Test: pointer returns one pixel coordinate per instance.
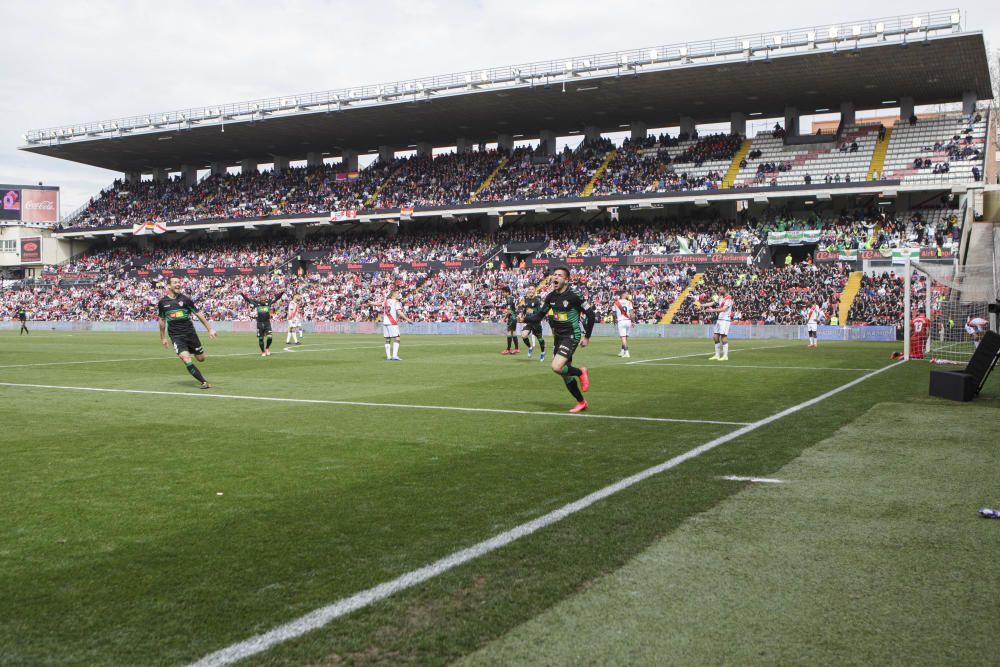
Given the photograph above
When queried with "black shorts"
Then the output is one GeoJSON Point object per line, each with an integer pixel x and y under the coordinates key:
{"type": "Point", "coordinates": [511, 325]}
{"type": "Point", "coordinates": [532, 329]}
{"type": "Point", "coordinates": [565, 346]}
{"type": "Point", "coordinates": [263, 329]}
{"type": "Point", "coordinates": [187, 342]}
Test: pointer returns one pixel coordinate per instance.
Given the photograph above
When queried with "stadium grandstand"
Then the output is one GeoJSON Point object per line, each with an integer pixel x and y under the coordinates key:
{"type": "Point", "coordinates": [836, 183]}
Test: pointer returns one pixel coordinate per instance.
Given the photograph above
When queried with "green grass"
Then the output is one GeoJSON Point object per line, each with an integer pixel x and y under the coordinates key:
{"type": "Point", "coordinates": [116, 546]}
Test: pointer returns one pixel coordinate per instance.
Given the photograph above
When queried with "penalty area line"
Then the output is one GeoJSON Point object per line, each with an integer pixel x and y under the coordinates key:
{"type": "Point", "coordinates": [706, 355]}
{"type": "Point", "coordinates": [324, 615]}
{"type": "Point", "coordinates": [366, 404]}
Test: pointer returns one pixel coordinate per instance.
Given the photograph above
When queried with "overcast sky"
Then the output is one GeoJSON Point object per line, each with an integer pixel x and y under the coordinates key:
{"type": "Point", "coordinates": [65, 63]}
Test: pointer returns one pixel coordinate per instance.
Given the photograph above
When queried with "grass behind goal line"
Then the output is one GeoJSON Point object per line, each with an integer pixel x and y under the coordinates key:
{"type": "Point", "coordinates": [122, 551]}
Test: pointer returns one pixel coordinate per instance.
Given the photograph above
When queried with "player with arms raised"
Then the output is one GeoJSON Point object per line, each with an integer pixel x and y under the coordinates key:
{"type": "Point", "coordinates": [392, 315]}
{"type": "Point", "coordinates": [721, 332]}
{"type": "Point", "coordinates": [262, 311]}
{"type": "Point", "coordinates": [622, 309]}
{"type": "Point", "coordinates": [565, 308]}
{"type": "Point", "coordinates": [175, 311]}
{"type": "Point", "coordinates": [814, 316]}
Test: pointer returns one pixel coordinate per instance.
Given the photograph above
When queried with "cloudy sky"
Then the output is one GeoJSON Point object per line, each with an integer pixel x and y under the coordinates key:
{"type": "Point", "coordinates": [67, 63]}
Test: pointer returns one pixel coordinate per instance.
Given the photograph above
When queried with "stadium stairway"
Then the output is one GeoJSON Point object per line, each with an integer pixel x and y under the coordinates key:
{"type": "Point", "coordinates": [489, 179]}
{"type": "Point", "coordinates": [589, 190]}
{"type": "Point", "coordinates": [668, 316]}
{"type": "Point", "coordinates": [847, 296]}
{"type": "Point", "coordinates": [878, 156]}
{"type": "Point", "coordinates": [374, 195]}
{"type": "Point", "coordinates": [734, 167]}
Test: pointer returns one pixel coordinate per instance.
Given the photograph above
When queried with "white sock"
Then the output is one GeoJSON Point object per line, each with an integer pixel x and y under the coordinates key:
{"type": "Point", "coordinates": [717, 346]}
{"type": "Point", "coordinates": [395, 348]}
{"type": "Point", "coordinates": [288, 337]}
{"type": "Point", "coordinates": [387, 354]}
{"type": "Point", "coordinates": [298, 337]}
{"type": "Point", "coordinates": [725, 349]}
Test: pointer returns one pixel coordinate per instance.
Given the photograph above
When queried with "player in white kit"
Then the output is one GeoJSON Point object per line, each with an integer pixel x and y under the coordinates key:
{"type": "Point", "coordinates": [813, 317]}
{"type": "Point", "coordinates": [622, 309]}
{"type": "Point", "coordinates": [392, 315]}
{"type": "Point", "coordinates": [294, 320]}
{"type": "Point", "coordinates": [721, 332]}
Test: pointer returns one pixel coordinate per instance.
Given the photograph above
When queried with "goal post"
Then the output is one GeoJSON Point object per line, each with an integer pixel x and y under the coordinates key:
{"type": "Point", "coordinates": [944, 308]}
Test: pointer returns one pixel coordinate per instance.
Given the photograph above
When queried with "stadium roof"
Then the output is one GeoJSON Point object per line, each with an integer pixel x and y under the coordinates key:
{"type": "Point", "coordinates": [871, 63]}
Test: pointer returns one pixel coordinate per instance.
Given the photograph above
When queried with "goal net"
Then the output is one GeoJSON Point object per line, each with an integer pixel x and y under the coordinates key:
{"type": "Point", "coordinates": [947, 310]}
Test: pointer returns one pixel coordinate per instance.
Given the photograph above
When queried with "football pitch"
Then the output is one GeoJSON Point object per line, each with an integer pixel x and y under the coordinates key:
{"type": "Point", "coordinates": [324, 506]}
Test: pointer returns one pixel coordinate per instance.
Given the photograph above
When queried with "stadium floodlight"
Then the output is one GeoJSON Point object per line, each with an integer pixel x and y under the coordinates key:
{"type": "Point", "coordinates": [880, 30]}
{"type": "Point", "coordinates": [683, 51]}
{"type": "Point", "coordinates": [746, 44]}
{"type": "Point", "coordinates": [777, 40]}
{"type": "Point", "coordinates": [148, 121]}
{"type": "Point", "coordinates": [164, 118]}
{"type": "Point", "coordinates": [100, 126]}
{"type": "Point", "coordinates": [917, 22]}
{"type": "Point", "coordinates": [569, 66]}
{"type": "Point", "coordinates": [484, 76]}
{"type": "Point", "coordinates": [856, 31]}
{"type": "Point", "coordinates": [653, 53]}
{"type": "Point", "coordinates": [811, 38]}
{"type": "Point", "coordinates": [834, 32]}
{"type": "Point", "coordinates": [623, 60]}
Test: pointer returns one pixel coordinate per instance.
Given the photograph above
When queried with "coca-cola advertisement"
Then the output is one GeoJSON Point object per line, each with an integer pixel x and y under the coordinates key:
{"type": "Point", "coordinates": [40, 205]}
{"type": "Point", "coordinates": [31, 250]}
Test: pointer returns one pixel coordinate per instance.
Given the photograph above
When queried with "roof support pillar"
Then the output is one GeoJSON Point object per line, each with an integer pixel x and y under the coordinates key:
{"type": "Point", "coordinates": [592, 133]}
{"type": "Point", "coordinates": [314, 159]}
{"type": "Point", "coordinates": [425, 149]}
{"type": "Point", "coordinates": [791, 122]}
{"type": "Point", "coordinates": [248, 166]}
{"type": "Point", "coordinates": [280, 164]}
{"type": "Point", "coordinates": [463, 145]}
{"type": "Point", "coordinates": [848, 114]}
{"type": "Point", "coordinates": [349, 160]}
{"type": "Point", "coordinates": [219, 168]}
{"type": "Point", "coordinates": [505, 142]}
{"type": "Point", "coordinates": [906, 107]}
{"type": "Point", "coordinates": [159, 175]}
{"type": "Point", "coordinates": [133, 176]}
{"type": "Point", "coordinates": [687, 126]}
{"type": "Point", "coordinates": [386, 153]}
{"type": "Point", "coordinates": [547, 142]}
{"type": "Point", "coordinates": [969, 99]}
{"type": "Point", "coordinates": [638, 130]}
{"type": "Point", "coordinates": [189, 174]}
{"type": "Point", "coordinates": [738, 123]}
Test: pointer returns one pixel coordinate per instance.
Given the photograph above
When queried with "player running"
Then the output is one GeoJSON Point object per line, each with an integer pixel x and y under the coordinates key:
{"type": "Point", "coordinates": [721, 332]}
{"type": "Point", "coordinates": [533, 330]}
{"type": "Point", "coordinates": [22, 316]}
{"type": "Point", "coordinates": [294, 320]}
{"type": "Point", "coordinates": [392, 315]}
{"type": "Point", "coordinates": [510, 313]}
{"type": "Point", "coordinates": [814, 316]}
{"type": "Point", "coordinates": [564, 307]}
{"type": "Point", "coordinates": [622, 309]}
{"type": "Point", "coordinates": [263, 311]}
{"type": "Point", "coordinates": [175, 311]}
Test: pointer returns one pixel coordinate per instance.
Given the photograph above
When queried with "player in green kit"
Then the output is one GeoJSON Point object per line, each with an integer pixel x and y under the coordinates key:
{"type": "Point", "coordinates": [532, 303]}
{"type": "Point", "coordinates": [175, 311]}
{"type": "Point", "coordinates": [263, 311]}
{"type": "Point", "coordinates": [510, 314]}
{"type": "Point", "coordinates": [572, 320]}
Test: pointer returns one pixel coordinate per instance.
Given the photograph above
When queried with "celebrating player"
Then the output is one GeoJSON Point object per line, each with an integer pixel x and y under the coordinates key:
{"type": "Point", "coordinates": [564, 307]}
{"type": "Point", "coordinates": [392, 315]}
{"type": "Point", "coordinates": [813, 317]}
{"type": "Point", "coordinates": [510, 313]}
{"type": "Point", "coordinates": [622, 308]}
{"type": "Point", "coordinates": [175, 311]}
{"type": "Point", "coordinates": [533, 330]}
{"type": "Point", "coordinates": [263, 311]}
{"type": "Point", "coordinates": [22, 316]}
{"type": "Point", "coordinates": [294, 320]}
{"type": "Point", "coordinates": [721, 332]}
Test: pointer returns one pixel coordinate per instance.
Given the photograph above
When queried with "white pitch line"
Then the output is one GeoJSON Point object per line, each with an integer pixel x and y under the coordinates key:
{"type": "Point", "coordinates": [759, 480]}
{"type": "Point", "coordinates": [706, 355]}
{"type": "Point", "coordinates": [405, 406]}
{"type": "Point", "coordinates": [724, 364]}
{"type": "Point", "coordinates": [324, 615]}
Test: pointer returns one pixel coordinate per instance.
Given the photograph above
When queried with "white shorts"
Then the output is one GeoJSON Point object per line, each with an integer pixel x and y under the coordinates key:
{"type": "Point", "coordinates": [624, 328]}
{"type": "Point", "coordinates": [812, 326]}
{"type": "Point", "coordinates": [390, 330]}
{"type": "Point", "coordinates": [295, 324]}
{"type": "Point", "coordinates": [722, 327]}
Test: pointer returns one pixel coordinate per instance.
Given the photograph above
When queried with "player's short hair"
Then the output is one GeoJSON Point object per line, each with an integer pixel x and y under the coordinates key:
{"type": "Point", "coordinates": [173, 278]}
{"type": "Point", "coordinates": [560, 267]}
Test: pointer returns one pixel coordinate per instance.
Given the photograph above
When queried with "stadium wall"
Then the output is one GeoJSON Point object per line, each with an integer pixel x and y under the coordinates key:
{"type": "Point", "coordinates": [738, 331]}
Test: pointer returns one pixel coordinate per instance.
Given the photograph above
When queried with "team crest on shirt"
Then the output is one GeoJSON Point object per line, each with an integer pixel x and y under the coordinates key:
{"type": "Point", "coordinates": [565, 303]}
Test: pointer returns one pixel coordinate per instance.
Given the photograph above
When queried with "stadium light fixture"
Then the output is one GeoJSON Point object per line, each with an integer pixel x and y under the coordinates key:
{"type": "Point", "coordinates": [778, 40]}
{"type": "Point", "coordinates": [811, 39]}
{"type": "Point", "coordinates": [888, 101]}
{"type": "Point", "coordinates": [916, 23]}
{"type": "Point", "coordinates": [100, 126]}
{"type": "Point", "coordinates": [834, 32]}
{"type": "Point", "coordinates": [824, 196]}
{"type": "Point", "coordinates": [856, 31]}
{"type": "Point", "coordinates": [653, 55]}
{"type": "Point", "coordinates": [756, 113]}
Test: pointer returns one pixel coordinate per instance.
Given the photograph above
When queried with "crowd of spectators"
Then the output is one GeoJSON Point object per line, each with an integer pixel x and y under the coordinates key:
{"type": "Point", "coordinates": [531, 173]}
{"type": "Point", "coordinates": [767, 296]}
{"type": "Point", "coordinates": [879, 302]}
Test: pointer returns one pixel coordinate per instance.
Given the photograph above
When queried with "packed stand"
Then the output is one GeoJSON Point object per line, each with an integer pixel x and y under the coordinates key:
{"type": "Point", "coordinates": [531, 173]}
{"type": "Point", "coordinates": [879, 301]}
